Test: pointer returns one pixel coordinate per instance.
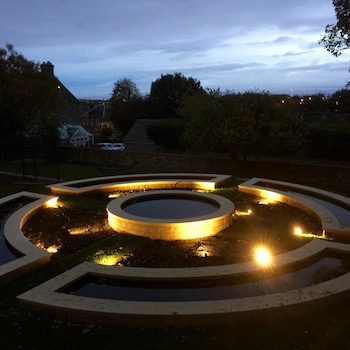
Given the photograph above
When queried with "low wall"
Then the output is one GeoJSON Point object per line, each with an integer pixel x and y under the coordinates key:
{"type": "Point", "coordinates": [333, 177]}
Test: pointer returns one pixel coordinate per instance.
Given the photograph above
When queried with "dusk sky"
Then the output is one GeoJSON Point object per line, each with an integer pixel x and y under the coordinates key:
{"type": "Point", "coordinates": [232, 44]}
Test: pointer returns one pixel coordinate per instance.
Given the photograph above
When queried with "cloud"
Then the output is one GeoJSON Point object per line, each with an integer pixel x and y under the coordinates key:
{"type": "Point", "coordinates": [282, 39]}
{"type": "Point", "coordinates": [234, 44]}
{"type": "Point", "coordinates": [293, 53]}
{"type": "Point", "coordinates": [325, 67]}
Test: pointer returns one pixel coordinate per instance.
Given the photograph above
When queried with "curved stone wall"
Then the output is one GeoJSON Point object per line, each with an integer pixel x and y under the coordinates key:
{"type": "Point", "coordinates": [171, 229]}
{"type": "Point", "coordinates": [49, 298]}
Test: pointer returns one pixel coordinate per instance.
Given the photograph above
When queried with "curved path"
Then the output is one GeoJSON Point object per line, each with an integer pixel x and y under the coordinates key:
{"type": "Point", "coordinates": [50, 296]}
{"type": "Point", "coordinates": [140, 182]}
{"type": "Point", "coordinates": [30, 256]}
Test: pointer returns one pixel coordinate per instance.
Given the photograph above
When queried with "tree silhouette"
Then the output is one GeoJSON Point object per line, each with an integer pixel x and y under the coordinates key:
{"type": "Point", "coordinates": [169, 91]}
{"type": "Point", "coordinates": [337, 36]}
{"type": "Point", "coordinates": [124, 90]}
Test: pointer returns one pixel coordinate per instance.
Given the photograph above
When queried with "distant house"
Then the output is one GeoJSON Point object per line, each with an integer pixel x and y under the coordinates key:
{"type": "Point", "coordinates": [137, 138]}
{"type": "Point", "coordinates": [71, 133]}
{"type": "Point", "coordinates": [97, 116]}
{"type": "Point", "coordinates": [75, 136]}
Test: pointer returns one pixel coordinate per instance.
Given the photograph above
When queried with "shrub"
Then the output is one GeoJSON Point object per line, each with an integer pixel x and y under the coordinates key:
{"type": "Point", "coordinates": [330, 141]}
{"type": "Point", "coordinates": [241, 124]}
{"type": "Point", "coordinates": [167, 133]}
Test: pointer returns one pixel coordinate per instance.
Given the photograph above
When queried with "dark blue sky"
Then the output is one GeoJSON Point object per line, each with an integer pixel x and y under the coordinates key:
{"type": "Point", "coordinates": [231, 44]}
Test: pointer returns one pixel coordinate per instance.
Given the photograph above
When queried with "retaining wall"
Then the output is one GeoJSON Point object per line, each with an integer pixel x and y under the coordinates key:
{"type": "Point", "coordinates": [333, 177]}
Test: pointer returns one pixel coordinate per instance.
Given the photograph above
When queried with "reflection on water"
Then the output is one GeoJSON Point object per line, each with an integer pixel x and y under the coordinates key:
{"type": "Point", "coordinates": [7, 253]}
{"type": "Point", "coordinates": [340, 210]}
{"type": "Point", "coordinates": [325, 268]}
{"type": "Point", "coordinates": [170, 208]}
{"type": "Point", "coordinates": [340, 213]}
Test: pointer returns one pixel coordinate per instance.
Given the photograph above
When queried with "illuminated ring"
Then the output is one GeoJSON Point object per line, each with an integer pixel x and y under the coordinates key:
{"type": "Point", "coordinates": [49, 297]}
{"type": "Point", "coordinates": [31, 256]}
{"type": "Point", "coordinates": [137, 182]}
{"type": "Point", "coordinates": [171, 229]}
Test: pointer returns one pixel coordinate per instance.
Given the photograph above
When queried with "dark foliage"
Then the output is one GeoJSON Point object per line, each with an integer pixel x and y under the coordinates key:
{"type": "Point", "coordinates": [337, 36]}
{"type": "Point", "coordinates": [169, 91]}
{"type": "Point", "coordinates": [126, 105]}
{"type": "Point", "coordinates": [30, 102]}
{"type": "Point", "coordinates": [242, 124]}
{"type": "Point", "coordinates": [330, 141]}
{"type": "Point", "coordinates": [167, 133]}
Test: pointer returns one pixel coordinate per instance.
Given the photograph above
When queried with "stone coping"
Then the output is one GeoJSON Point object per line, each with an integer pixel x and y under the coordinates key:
{"type": "Point", "coordinates": [47, 297]}
{"type": "Point", "coordinates": [32, 255]}
{"type": "Point", "coordinates": [171, 229]}
{"type": "Point", "coordinates": [143, 181]}
{"type": "Point", "coordinates": [330, 223]}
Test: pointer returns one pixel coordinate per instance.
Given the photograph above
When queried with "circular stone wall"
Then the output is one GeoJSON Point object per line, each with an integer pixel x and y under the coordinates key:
{"type": "Point", "coordinates": [170, 215]}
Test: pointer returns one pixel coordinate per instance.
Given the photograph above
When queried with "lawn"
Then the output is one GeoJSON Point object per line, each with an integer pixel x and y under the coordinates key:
{"type": "Point", "coordinates": [64, 171]}
{"type": "Point", "coordinates": [68, 171]}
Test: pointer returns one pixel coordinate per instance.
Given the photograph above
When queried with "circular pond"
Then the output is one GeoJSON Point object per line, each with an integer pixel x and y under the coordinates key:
{"type": "Point", "coordinates": [170, 215]}
{"type": "Point", "coordinates": [170, 206]}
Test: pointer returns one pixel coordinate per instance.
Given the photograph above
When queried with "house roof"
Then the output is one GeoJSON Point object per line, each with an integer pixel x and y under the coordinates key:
{"type": "Point", "coordinates": [69, 131]}
{"type": "Point", "coordinates": [138, 132]}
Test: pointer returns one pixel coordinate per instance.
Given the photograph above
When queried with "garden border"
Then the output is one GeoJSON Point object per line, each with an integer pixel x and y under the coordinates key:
{"type": "Point", "coordinates": [33, 256]}
{"type": "Point", "coordinates": [47, 297]}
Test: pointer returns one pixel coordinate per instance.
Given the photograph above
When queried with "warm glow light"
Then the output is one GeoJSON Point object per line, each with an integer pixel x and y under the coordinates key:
{"type": "Point", "coordinates": [298, 231]}
{"type": "Point", "coordinates": [86, 230]}
{"type": "Point", "coordinates": [53, 248]}
{"type": "Point", "coordinates": [203, 251]}
{"type": "Point", "coordinates": [77, 231]}
{"type": "Point", "coordinates": [262, 256]}
{"type": "Point", "coordinates": [201, 191]}
{"type": "Point", "coordinates": [269, 197]}
{"type": "Point", "coordinates": [203, 185]}
{"type": "Point", "coordinates": [109, 260]}
{"type": "Point", "coordinates": [114, 195]}
{"type": "Point", "coordinates": [243, 213]}
{"type": "Point", "coordinates": [52, 203]}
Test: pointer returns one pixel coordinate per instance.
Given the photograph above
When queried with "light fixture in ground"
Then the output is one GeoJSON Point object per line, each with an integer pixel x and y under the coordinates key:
{"type": "Point", "coordinates": [262, 256]}
{"type": "Point", "coordinates": [52, 203]}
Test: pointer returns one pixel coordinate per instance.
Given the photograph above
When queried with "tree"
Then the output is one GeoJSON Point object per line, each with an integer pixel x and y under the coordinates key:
{"type": "Point", "coordinates": [30, 103]}
{"type": "Point", "coordinates": [124, 90]}
{"type": "Point", "coordinates": [169, 91]}
{"type": "Point", "coordinates": [337, 36]}
{"type": "Point", "coordinates": [126, 105]}
{"type": "Point", "coordinates": [105, 133]}
{"type": "Point", "coordinates": [241, 124]}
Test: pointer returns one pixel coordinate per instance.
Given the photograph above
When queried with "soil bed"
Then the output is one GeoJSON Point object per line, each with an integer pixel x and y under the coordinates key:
{"type": "Point", "coordinates": [73, 227]}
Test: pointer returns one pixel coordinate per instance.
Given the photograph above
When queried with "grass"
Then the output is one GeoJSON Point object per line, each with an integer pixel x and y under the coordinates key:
{"type": "Point", "coordinates": [7, 190]}
{"type": "Point", "coordinates": [67, 171]}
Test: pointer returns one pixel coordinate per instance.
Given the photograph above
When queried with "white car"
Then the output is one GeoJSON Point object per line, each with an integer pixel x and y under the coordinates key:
{"type": "Point", "coordinates": [111, 146]}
